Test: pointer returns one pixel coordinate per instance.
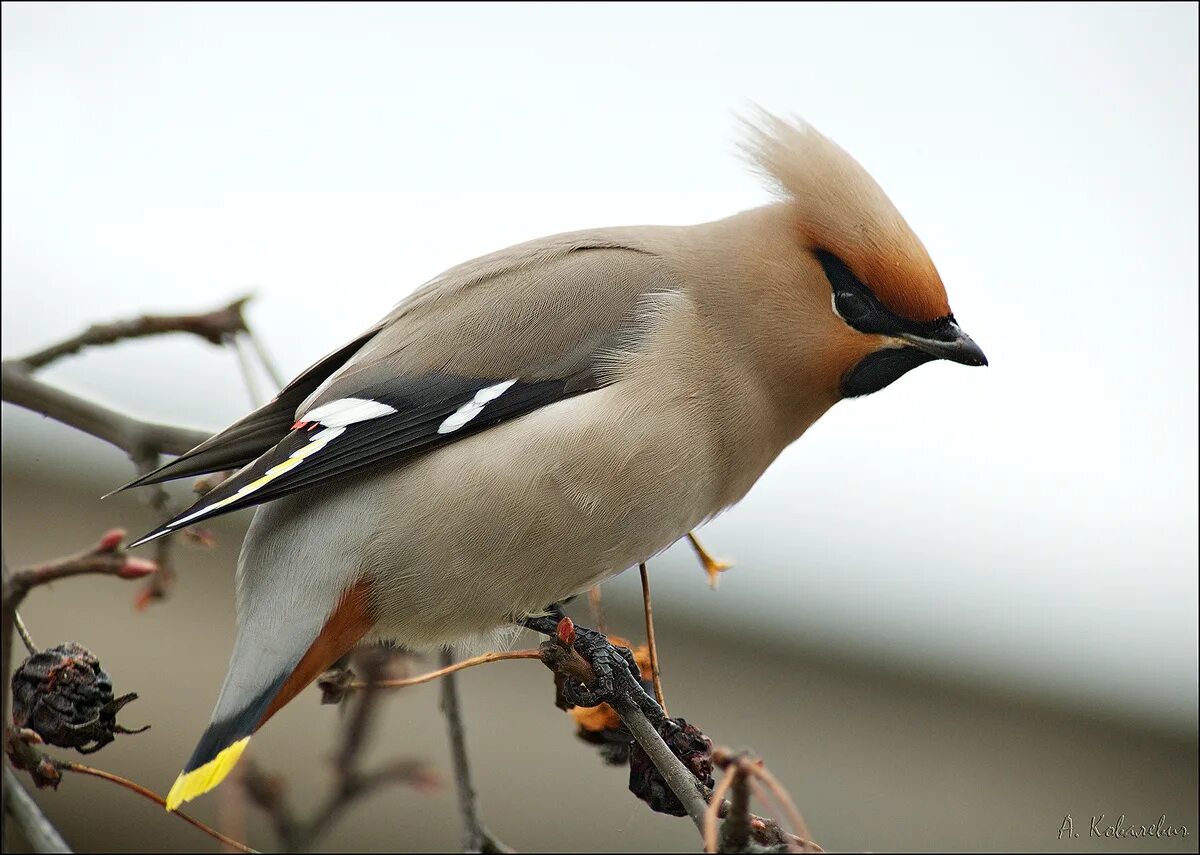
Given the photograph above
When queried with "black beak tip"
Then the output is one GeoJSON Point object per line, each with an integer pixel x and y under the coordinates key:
{"type": "Point", "coordinates": [972, 354]}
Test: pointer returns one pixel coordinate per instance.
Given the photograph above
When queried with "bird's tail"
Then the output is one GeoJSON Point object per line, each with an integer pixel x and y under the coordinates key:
{"type": "Point", "coordinates": [265, 672]}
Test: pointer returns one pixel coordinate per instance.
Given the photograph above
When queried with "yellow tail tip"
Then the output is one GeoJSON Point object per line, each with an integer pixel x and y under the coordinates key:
{"type": "Point", "coordinates": [199, 781]}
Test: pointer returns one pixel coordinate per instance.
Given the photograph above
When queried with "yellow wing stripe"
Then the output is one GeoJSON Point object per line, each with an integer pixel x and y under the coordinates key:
{"type": "Point", "coordinates": [270, 475]}
{"type": "Point", "coordinates": [199, 781]}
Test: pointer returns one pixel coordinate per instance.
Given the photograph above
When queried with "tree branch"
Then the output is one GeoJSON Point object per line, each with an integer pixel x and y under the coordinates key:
{"type": "Point", "coordinates": [681, 781]}
{"type": "Point", "coordinates": [350, 783]}
{"type": "Point", "coordinates": [38, 831]}
{"type": "Point", "coordinates": [81, 769]}
{"type": "Point", "coordinates": [105, 558]}
{"type": "Point", "coordinates": [134, 437]}
{"type": "Point", "coordinates": [212, 326]}
{"type": "Point", "coordinates": [472, 830]}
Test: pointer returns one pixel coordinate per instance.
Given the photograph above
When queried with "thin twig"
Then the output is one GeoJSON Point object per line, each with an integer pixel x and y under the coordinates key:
{"type": "Point", "coordinates": [596, 606]}
{"type": "Point", "coordinates": [654, 672]}
{"type": "Point", "coordinates": [498, 656]}
{"type": "Point", "coordinates": [23, 631]}
{"type": "Point", "coordinates": [212, 326]}
{"type": "Point", "coordinates": [106, 558]}
{"type": "Point", "coordinates": [769, 802]}
{"type": "Point", "coordinates": [71, 766]}
{"type": "Point", "coordinates": [714, 804]}
{"type": "Point", "coordinates": [735, 831]}
{"type": "Point", "coordinates": [349, 782]}
{"type": "Point", "coordinates": [793, 813]}
{"type": "Point", "coordinates": [468, 810]}
{"type": "Point", "coordinates": [231, 806]}
{"type": "Point", "coordinates": [38, 831]}
{"type": "Point", "coordinates": [265, 359]}
{"type": "Point", "coordinates": [159, 500]}
{"type": "Point", "coordinates": [243, 360]}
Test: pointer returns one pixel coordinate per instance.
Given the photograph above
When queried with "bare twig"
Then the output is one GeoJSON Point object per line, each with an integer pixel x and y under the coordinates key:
{"type": "Point", "coordinates": [38, 831]}
{"type": "Point", "coordinates": [265, 360]}
{"type": "Point", "coordinates": [81, 769]}
{"type": "Point", "coordinates": [349, 782]}
{"type": "Point", "coordinates": [499, 656]}
{"type": "Point", "coordinates": [136, 438]}
{"type": "Point", "coordinates": [212, 326]}
{"type": "Point", "coordinates": [743, 773]}
{"type": "Point", "coordinates": [596, 606]}
{"type": "Point", "coordinates": [472, 830]}
{"type": "Point", "coordinates": [23, 631]}
{"type": "Point", "coordinates": [785, 798]}
{"type": "Point", "coordinates": [106, 558]}
{"type": "Point", "coordinates": [735, 831]}
{"type": "Point", "coordinates": [654, 672]}
{"type": "Point", "coordinates": [18, 386]}
{"type": "Point", "coordinates": [681, 781]}
{"type": "Point", "coordinates": [714, 804]}
{"type": "Point", "coordinates": [247, 370]}
{"type": "Point", "coordinates": [159, 500]}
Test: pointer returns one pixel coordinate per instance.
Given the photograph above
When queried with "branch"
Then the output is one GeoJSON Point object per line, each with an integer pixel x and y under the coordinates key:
{"type": "Point", "coordinates": [46, 771]}
{"type": "Point", "coordinates": [134, 437]}
{"type": "Point", "coordinates": [267, 791]}
{"type": "Point", "coordinates": [681, 781]}
{"type": "Point", "coordinates": [472, 831]}
{"type": "Point", "coordinates": [38, 831]}
{"type": "Point", "coordinates": [655, 675]}
{"type": "Point", "coordinates": [214, 327]}
{"type": "Point", "coordinates": [498, 656]}
{"type": "Point", "coordinates": [81, 769]}
{"type": "Point", "coordinates": [106, 558]}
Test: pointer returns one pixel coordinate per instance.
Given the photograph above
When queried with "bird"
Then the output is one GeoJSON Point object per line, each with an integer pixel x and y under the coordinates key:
{"type": "Point", "coordinates": [532, 422]}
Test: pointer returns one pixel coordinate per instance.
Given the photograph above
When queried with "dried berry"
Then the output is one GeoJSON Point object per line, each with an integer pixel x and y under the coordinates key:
{"type": "Point", "coordinates": [64, 696]}
{"type": "Point", "coordinates": [686, 742]}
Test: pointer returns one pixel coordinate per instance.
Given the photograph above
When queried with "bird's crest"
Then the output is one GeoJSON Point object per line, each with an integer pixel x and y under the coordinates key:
{"type": "Point", "coordinates": [840, 209]}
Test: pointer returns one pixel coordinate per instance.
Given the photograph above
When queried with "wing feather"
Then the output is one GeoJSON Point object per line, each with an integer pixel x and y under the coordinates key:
{"type": "Point", "coordinates": [250, 436]}
{"type": "Point", "coordinates": [453, 360]}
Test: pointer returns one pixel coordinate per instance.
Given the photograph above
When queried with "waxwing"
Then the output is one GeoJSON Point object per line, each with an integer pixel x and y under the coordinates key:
{"type": "Point", "coordinates": [534, 421]}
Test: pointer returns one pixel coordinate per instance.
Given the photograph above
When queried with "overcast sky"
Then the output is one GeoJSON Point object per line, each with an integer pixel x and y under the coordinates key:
{"type": "Point", "coordinates": [1035, 521]}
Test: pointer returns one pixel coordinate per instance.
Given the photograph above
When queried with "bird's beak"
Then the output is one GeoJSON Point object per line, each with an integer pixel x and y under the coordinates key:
{"type": "Point", "coordinates": [948, 341]}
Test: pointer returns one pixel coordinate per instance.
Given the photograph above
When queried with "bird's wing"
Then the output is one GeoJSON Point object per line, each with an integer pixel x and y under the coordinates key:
{"type": "Point", "coordinates": [249, 437]}
{"type": "Point", "coordinates": [485, 342]}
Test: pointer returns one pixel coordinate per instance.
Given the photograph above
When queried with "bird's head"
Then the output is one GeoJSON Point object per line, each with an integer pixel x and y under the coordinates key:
{"type": "Point", "coordinates": [871, 303]}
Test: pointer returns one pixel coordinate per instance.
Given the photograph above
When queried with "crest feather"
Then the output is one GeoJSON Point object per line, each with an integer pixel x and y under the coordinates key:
{"type": "Point", "coordinates": [840, 208]}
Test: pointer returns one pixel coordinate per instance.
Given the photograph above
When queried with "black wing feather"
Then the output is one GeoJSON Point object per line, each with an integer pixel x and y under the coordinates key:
{"type": "Point", "coordinates": [258, 432]}
{"type": "Point", "coordinates": [421, 406]}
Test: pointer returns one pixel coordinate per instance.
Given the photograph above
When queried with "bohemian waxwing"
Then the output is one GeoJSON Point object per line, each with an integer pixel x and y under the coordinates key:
{"type": "Point", "coordinates": [535, 421]}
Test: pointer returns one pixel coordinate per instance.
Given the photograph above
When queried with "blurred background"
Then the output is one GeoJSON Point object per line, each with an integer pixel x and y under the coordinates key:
{"type": "Point", "coordinates": [961, 610]}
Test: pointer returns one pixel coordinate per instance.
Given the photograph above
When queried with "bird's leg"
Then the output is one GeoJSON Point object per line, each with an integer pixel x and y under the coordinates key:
{"type": "Point", "coordinates": [618, 677]}
{"type": "Point", "coordinates": [714, 567]}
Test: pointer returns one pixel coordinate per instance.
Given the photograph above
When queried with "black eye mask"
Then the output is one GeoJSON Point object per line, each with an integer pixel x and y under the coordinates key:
{"type": "Point", "coordinates": [861, 309]}
{"type": "Point", "coordinates": [858, 306]}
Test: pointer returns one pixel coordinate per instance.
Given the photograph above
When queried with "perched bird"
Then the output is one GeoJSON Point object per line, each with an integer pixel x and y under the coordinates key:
{"type": "Point", "coordinates": [534, 421]}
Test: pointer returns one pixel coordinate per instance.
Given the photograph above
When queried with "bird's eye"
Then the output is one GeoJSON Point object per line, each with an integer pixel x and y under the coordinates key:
{"type": "Point", "coordinates": [850, 306]}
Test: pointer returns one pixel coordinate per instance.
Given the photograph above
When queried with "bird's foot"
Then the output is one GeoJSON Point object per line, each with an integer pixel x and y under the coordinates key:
{"type": "Point", "coordinates": [591, 669]}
